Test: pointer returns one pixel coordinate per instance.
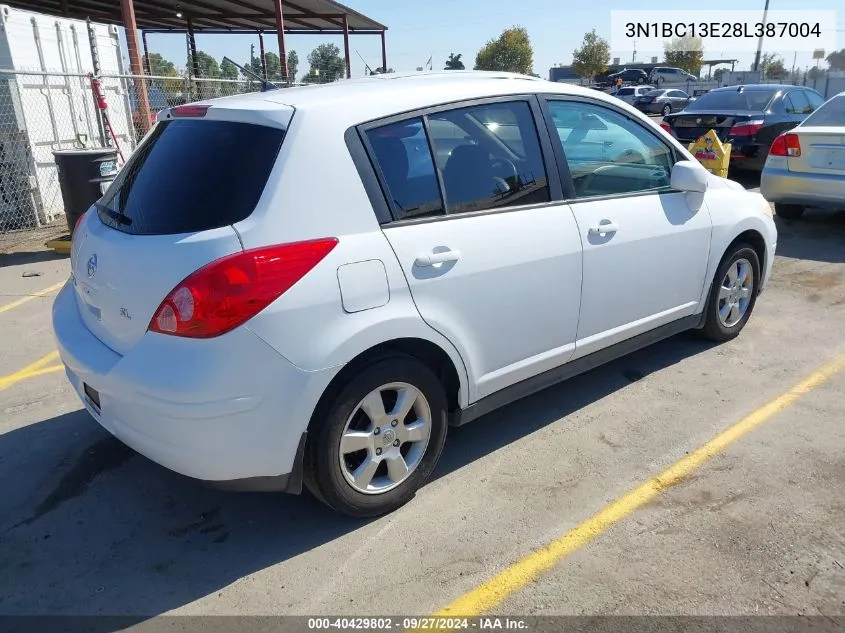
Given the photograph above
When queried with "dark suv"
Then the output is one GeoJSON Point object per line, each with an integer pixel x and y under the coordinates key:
{"type": "Point", "coordinates": [629, 75]}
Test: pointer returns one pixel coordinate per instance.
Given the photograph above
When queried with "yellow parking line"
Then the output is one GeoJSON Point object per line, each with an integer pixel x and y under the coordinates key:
{"type": "Point", "coordinates": [37, 368]}
{"type": "Point", "coordinates": [34, 295]}
{"type": "Point", "coordinates": [518, 575]}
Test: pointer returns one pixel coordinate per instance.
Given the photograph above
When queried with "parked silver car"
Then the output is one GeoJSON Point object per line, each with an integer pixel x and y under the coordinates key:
{"type": "Point", "coordinates": [629, 93]}
{"type": "Point", "coordinates": [806, 165]}
{"type": "Point", "coordinates": [668, 74]}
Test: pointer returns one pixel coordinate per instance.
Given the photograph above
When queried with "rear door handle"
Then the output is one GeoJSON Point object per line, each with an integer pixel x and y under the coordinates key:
{"type": "Point", "coordinates": [430, 259]}
{"type": "Point", "coordinates": [604, 227]}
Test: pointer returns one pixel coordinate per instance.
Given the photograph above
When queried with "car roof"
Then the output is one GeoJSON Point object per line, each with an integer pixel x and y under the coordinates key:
{"type": "Point", "coordinates": [363, 99]}
{"type": "Point", "coordinates": [758, 87]}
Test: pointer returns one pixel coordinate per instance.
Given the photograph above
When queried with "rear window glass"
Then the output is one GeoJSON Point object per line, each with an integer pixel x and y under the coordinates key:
{"type": "Point", "coordinates": [192, 175]}
{"type": "Point", "coordinates": [625, 91]}
{"type": "Point", "coordinates": [753, 100]}
{"type": "Point", "coordinates": [831, 113]}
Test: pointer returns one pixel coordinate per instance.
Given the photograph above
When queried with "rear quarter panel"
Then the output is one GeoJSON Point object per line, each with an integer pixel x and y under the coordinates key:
{"type": "Point", "coordinates": [315, 191]}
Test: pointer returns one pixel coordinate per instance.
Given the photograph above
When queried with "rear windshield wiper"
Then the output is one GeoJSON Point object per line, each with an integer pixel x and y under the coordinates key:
{"type": "Point", "coordinates": [114, 215]}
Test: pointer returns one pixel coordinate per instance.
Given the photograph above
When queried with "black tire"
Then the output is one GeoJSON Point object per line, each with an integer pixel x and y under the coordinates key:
{"type": "Point", "coordinates": [714, 329]}
{"type": "Point", "coordinates": [667, 110]}
{"type": "Point", "coordinates": [789, 211]}
{"type": "Point", "coordinates": [323, 475]}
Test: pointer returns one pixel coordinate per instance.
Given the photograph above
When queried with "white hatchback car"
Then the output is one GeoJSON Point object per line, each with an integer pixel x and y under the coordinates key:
{"type": "Point", "coordinates": [310, 284]}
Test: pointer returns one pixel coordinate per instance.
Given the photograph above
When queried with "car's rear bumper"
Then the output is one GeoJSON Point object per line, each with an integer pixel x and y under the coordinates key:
{"type": "Point", "coordinates": [227, 410]}
{"type": "Point", "coordinates": [650, 108]}
{"type": "Point", "coordinates": [779, 185]}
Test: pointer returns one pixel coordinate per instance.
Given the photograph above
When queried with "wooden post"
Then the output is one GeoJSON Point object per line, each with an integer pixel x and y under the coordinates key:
{"type": "Point", "coordinates": [280, 28]}
{"type": "Point", "coordinates": [346, 46]}
{"type": "Point", "coordinates": [127, 8]}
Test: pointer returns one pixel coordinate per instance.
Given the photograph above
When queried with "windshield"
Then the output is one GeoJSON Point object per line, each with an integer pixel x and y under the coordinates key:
{"type": "Point", "coordinates": [831, 113]}
{"type": "Point", "coordinates": [752, 100]}
{"type": "Point", "coordinates": [191, 175]}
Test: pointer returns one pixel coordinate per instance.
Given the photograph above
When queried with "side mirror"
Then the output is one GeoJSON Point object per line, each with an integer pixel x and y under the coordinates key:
{"type": "Point", "coordinates": [689, 176]}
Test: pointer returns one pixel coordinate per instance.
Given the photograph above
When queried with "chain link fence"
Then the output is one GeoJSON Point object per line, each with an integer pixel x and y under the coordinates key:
{"type": "Point", "coordinates": [43, 112]}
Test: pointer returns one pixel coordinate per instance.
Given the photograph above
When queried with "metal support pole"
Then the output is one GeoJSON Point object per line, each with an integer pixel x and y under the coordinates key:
{"type": "Point", "coordinates": [280, 32]}
{"type": "Point", "coordinates": [105, 141]}
{"type": "Point", "coordinates": [383, 52]}
{"type": "Point", "coordinates": [131, 29]}
{"type": "Point", "coordinates": [760, 42]}
{"type": "Point", "coordinates": [346, 46]}
{"type": "Point", "coordinates": [192, 44]}
{"type": "Point", "coordinates": [263, 56]}
{"type": "Point", "coordinates": [146, 53]}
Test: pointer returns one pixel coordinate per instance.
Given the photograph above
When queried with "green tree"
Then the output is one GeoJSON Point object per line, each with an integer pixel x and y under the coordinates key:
{"type": "Point", "coordinates": [815, 73]}
{"type": "Point", "coordinates": [162, 67]}
{"type": "Point", "coordinates": [771, 65]}
{"type": "Point", "coordinates": [717, 74]}
{"type": "Point", "coordinates": [510, 52]}
{"type": "Point", "coordinates": [836, 60]}
{"type": "Point", "coordinates": [454, 62]}
{"type": "Point", "coordinates": [326, 65]}
{"type": "Point", "coordinates": [273, 65]}
{"type": "Point", "coordinates": [208, 67]}
{"type": "Point", "coordinates": [685, 53]}
{"type": "Point", "coordinates": [293, 66]}
{"type": "Point", "coordinates": [228, 70]}
{"type": "Point", "coordinates": [593, 56]}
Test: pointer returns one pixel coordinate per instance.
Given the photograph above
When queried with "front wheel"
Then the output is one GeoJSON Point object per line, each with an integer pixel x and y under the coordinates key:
{"type": "Point", "coordinates": [379, 440]}
{"type": "Point", "coordinates": [733, 294]}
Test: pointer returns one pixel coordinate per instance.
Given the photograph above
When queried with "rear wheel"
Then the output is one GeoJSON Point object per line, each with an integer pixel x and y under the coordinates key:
{"type": "Point", "coordinates": [379, 440]}
{"type": "Point", "coordinates": [733, 294]}
{"type": "Point", "coordinates": [789, 211]}
{"type": "Point", "coordinates": [667, 110]}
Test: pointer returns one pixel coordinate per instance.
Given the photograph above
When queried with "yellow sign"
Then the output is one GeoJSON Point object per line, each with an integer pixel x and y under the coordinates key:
{"type": "Point", "coordinates": [712, 153]}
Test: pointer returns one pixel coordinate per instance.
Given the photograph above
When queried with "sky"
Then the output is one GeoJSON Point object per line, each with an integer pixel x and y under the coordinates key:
{"type": "Point", "coordinates": [419, 29]}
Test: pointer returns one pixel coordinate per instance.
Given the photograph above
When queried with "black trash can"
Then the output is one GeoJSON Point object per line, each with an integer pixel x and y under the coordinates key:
{"type": "Point", "coordinates": [84, 176]}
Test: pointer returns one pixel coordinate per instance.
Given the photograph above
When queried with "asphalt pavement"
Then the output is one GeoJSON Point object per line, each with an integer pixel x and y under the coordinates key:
{"type": "Point", "coordinates": [89, 527]}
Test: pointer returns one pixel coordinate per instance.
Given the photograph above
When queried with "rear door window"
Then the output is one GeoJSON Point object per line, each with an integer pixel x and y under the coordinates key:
{"type": "Point", "coordinates": [192, 175]}
{"type": "Point", "coordinates": [796, 102]}
{"type": "Point", "coordinates": [815, 99]}
{"type": "Point", "coordinates": [498, 162]}
{"type": "Point", "coordinates": [403, 155]}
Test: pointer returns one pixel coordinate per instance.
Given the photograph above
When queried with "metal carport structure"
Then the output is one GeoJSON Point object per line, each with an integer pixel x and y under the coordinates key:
{"type": "Point", "coordinates": [216, 16]}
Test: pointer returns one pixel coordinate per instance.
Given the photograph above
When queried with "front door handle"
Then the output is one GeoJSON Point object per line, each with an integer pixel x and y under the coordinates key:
{"type": "Point", "coordinates": [604, 227]}
{"type": "Point", "coordinates": [430, 259]}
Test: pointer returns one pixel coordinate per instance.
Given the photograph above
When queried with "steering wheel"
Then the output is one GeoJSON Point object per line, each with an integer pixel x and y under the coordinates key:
{"type": "Point", "coordinates": [505, 171]}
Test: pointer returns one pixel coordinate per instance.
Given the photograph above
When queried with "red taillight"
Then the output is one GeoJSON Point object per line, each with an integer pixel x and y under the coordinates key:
{"type": "Point", "coordinates": [666, 127]}
{"type": "Point", "coordinates": [654, 100]}
{"type": "Point", "coordinates": [194, 111]}
{"type": "Point", "coordinates": [226, 293]}
{"type": "Point", "coordinates": [786, 144]}
{"type": "Point", "coordinates": [746, 128]}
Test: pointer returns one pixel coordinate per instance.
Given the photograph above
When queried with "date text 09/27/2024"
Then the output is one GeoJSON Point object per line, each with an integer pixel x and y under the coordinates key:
{"type": "Point", "coordinates": [722, 29]}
